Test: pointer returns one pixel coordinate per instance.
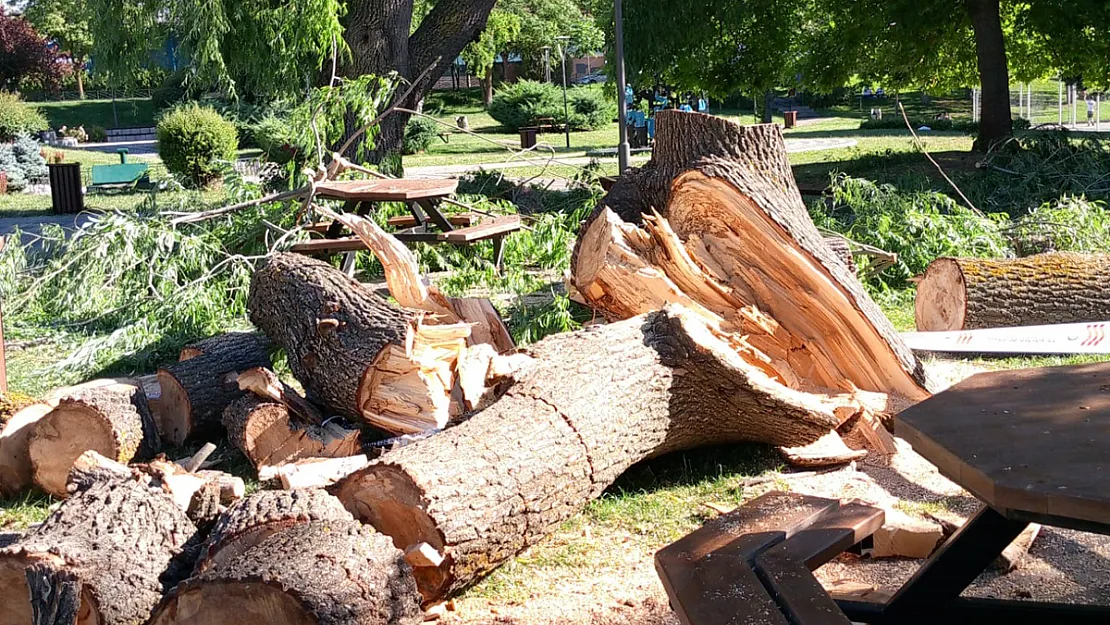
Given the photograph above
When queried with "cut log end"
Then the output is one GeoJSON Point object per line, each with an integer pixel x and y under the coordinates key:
{"type": "Point", "coordinates": [941, 302]}
{"type": "Point", "coordinates": [59, 440]}
{"type": "Point", "coordinates": [393, 504]}
{"type": "Point", "coordinates": [175, 413]}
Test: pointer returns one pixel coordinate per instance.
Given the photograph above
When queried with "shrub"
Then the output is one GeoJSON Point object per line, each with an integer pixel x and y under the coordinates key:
{"type": "Point", "coordinates": [519, 104]}
{"type": "Point", "coordinates": [274, 135]}
{"type": "Point", "coordinates": [97, 134]}
{"type": "Point", "coordinates": [589, 108]}
{"type": "Point", "coordinates": [169, 93]}
{"type": "Point", "coordinates": [28, 153]}
{"type": "Point", "coordinates": [1071, 224]}
{"type": "Point", "coordinates": [193, 140]}
{"type": "Point", "coordinates": [17, 181]}
{"type": "Point", "coordinates": [17, 117]}
{"type": "Point", "coordinates": [419, 134]}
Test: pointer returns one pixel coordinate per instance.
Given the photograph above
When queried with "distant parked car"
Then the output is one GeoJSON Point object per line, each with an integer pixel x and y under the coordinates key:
{"type": "Point", "coordinates": [594, 77]}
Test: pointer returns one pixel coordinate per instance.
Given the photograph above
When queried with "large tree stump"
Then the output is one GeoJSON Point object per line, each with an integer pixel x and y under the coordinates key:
{"type": "Point", "coordinates": [355, 353]}
{"type": "Point", "coordinates": [335, 572]}
{"type": "Point", "coordinates": [107, 416]}
{"type": "Point", "coordinates": [975, 293]}
{"type": "Point", "coordinates": [196, 390]}
{"type": "Point", "coordinates": [592, 404]}
{"type": "Point", "coordinates": [250, 520]}
{"type": "Point", "coordinates": [105, 556]}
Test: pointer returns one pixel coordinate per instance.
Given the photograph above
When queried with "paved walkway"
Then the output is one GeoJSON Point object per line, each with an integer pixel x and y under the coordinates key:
{"type": "Point", "coordinates": [33, 224]}
{"type": "Point", "coordinates": [133, 147]}
{"type": "Point", "coordinates": [793, 146]}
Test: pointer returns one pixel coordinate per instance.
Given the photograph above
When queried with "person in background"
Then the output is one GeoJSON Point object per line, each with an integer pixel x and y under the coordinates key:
{"type": "Point", "coordinates": [1090, 110]}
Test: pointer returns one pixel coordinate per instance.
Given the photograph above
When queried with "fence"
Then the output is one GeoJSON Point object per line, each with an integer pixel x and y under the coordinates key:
{"type": "Point", "coordinates": [90, 94]}
{"type": "Point", "coordinates": [1055, 102]}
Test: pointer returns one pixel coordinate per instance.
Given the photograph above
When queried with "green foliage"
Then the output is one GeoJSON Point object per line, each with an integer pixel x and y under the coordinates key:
{"type": "Point", "coordinates": [274, 135]}
{"type": "Point", "coordinates": [895, 122]}
{"type": "Point", "coordinates": [17, 180]}
{"type": "Point", "coordinates": [17, 117]}
{"type": "Point", "coordinates": [319, 122]}
{"type": "Point", "coordinates": [420, 132]}
{"type": "Point", "coordinates": [196, 143]}
{"type": "Point", "coordinates": [1071, 224]}
{"type": "Point", "coordinates": [97, 134]}
{"type": "Point", "coordinates": [529, 324]}
{"type": "Point", "coordinates": [65, 22]}
{"type": "Point", "coordinates": [919, 227]}
{"type": "Point", "coordinates": [170, 92]}
{"type": "Point", "coordinates": [541, 22]}
{"type": "Point", "coordinates": [28, 154]}
{"type": "Point", "coordinates": [520, 104]}
{"type": "Point", "coordinates": [502, 29]}
{"type": "Point", "coordinates": [1038, 168]}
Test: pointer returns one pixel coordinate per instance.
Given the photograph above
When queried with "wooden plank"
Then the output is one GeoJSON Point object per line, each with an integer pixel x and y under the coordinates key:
{"type": "Point", "coordinates": [458, 219]}
{"type": "Point", "coordinates": [323, 246]}
{"type": "Point", "coordinates": [831, 535]}
{"type": "Point", "coordinates": [400, 190]}
{"type": "Point", "coordinates": [719, 591]}
{"type": "Point", "coordinates": [1034, 444]}
{"type": "Point", "coordinates": [798, 594]}
{"type": "Point", "coordinates": [484, 230]}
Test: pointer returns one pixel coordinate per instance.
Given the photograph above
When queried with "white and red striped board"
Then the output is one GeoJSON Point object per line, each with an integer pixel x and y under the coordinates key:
{"type": "Point", "coordinates": [1065, 338]}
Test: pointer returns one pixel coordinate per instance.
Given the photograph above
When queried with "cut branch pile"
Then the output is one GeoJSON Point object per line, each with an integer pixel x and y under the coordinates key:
{"type": "Point", "coordinates": [731, 320]}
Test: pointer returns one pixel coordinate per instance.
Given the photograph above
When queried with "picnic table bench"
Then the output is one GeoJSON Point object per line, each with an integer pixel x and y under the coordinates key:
{"type": "Point", "coordinates": [425, 223]}
{"type": "Point", "coordinates": [124, 173]}
{"type": "Point", "coordinates": [753, 565]}
{"type": "Point", "coordinates": [1034, 446]}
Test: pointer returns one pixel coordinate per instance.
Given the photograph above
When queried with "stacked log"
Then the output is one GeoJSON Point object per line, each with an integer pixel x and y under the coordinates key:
{"type": "Point", "coordinates": [106, 555]}
{"type": "Point", "coordinates": [15, 460]}
{"type": "Point", "coordinates": [976, 293]}
{"type": "Point", "coordinates": [295, 558]}
{"type": "Point", "coordinates": [107, 416]}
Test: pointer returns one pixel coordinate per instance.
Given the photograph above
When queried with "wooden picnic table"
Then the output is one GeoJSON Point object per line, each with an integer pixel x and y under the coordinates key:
{"type": "Point", "coordinates": [427, 224]}
{"type": "Point", "coordinates": [1034, 446]}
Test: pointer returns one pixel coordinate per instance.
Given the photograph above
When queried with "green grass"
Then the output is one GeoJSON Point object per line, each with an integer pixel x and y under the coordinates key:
{"type": "Point", "coordinates": [131, 113]}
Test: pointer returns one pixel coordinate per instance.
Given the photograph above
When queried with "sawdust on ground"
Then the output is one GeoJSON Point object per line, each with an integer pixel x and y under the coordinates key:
{"type": "Point", "coordinates": [623, 589]}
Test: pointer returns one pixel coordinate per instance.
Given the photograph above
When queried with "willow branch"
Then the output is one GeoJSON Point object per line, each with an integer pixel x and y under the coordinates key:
{"type": "Point", "coordinates": [921, 145]}
{"type": "Point", "coordinates": [389, 111]}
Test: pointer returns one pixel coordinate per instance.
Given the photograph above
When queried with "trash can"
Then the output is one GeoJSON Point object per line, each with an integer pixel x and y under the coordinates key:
{"type": "Point", "coordinates": [791, 118]}
{"type": "Point", "coordinates": [528, 137]}
{"type": "Point", "coordinates": [65, 188]}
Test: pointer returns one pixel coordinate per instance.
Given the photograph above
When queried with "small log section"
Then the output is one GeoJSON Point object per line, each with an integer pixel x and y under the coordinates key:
{"type": "Point", "coordinates": [268, 434]}
{"type": "Point", "coordinates": [593, 403]}
{"type": "Point", "coordinates": [336, 572]}
{"type": "Point", "coordinates": [15, 460]}
{"type": "Point", "coordinates": [249, 521]}
{"type": "Point", "coordinates": [107, 416]}
{"type": "Point", "coordinates": [976, 293]}
{"type": "Point", "coordinates": [356, 354]}
{"type": "Point", "coordinates": [104, 557]}
{"type": "Point", "coordinates": [197, 389]}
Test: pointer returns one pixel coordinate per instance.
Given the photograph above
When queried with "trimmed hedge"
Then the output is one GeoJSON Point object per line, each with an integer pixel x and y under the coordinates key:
{"type": "Point", "coordinates": [193, 140]}
{"type": "Point", "coordinates": [420, 132]}
{"type": "Point", "coordinates": [520, 104]}
{"type": "Point", "coordinates": [19, 118]}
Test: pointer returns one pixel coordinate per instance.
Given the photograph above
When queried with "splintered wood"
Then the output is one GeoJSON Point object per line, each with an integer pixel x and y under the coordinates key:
{"type": "Point", "coordinates": [730, 240]}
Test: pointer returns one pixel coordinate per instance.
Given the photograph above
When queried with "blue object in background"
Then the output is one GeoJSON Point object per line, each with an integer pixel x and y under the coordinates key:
{"type": "Point", "coordinates": [703, 106]}
{"type": "Point", "coordinates": [651, 127]}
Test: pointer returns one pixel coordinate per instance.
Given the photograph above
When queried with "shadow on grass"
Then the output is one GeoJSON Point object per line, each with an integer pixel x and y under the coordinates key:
{"type": "Point", "coordinates": [909, 171]}
{"type": "Point", "coordinates": [690, 468]}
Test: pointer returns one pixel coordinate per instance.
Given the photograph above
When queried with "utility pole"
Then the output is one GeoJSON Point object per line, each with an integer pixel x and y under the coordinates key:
{"type": "Point", "coordinates": [563, 39]}
{"type": "Point", "coordinates": [624, 152]}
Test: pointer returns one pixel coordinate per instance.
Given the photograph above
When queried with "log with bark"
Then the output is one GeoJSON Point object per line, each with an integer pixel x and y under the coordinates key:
{"type": "Point", "coordinates": [107, 416]}
{"type": "Point", "coordinates": [334, 572]}
{"type": "Point", "coordinates": [976, 293]}
{"type": "Point", "coordinates": [268, 435]}
{"type": "Point", "coordinates": [592, 404]}
{"type": "Point", "coordinates": [355, 353]}
{"type": "Point", "coordinates": [195, 391]}
{"type": "Point", "coordinates": [105, 556]}
{"type": "Point", "coordinates": [15, 461]}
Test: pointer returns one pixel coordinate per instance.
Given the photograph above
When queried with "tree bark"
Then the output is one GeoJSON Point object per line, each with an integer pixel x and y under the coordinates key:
{"type": "Point", "coordinates": [249, 521]}
{"type": "Point", "coordinates": [487, 88]}
{"type": "Point", "coordinates": [107, 416]}
{"type": "Point", "coordinates": [594, 403]}
{"type": "Point", "coordinates": [975, 293]}
{"type": "Point", "coordinates": [107, 554]}
{"type": "Point", "coordinates": [995, 122]}
{"type": "Point", "coordinates": [196, 391]}
{"type": "Point", "coordinates": [335, 572]}
{"type": "Point", "coordinates": [768, 106]}
{"type": "Point", "coordinates": [378, 34]}
{"type": "Point", "coordinates": [268, 436]}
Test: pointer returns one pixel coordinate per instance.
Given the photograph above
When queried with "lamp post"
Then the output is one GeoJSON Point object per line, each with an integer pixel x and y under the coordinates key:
{"type": "Point", "coordinates": [624, 152]}
{"type": "Point", "coordinates": [563, 39]}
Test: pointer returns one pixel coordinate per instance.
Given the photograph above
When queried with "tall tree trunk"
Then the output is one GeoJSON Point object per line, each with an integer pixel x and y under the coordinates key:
{"type": "Point", "coordinates": [768, 103]}
{"type": "Point", "coordinates": [487, 88]}
{"type": "Point", "coordinates": [995, 122]}
{"type": "Point", "coordinates": [377, 31]}
{"type": "Point", "coordinates": [79, 72]}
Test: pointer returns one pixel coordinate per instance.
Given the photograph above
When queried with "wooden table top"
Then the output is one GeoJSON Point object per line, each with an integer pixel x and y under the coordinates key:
{"type": "Point", "coordinates": [1033, 444]}
{"type": "Point", "coordinates": [399, 190]}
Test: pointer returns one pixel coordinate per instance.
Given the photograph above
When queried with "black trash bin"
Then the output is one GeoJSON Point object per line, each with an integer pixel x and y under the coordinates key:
{"type": "Point", "coordinates": [65, 188]}
{"type": "Point", "coordinates": [528, 137]}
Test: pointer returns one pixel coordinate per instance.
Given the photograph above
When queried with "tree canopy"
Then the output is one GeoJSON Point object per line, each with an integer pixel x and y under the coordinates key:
{"type": "Point", "coordinates": [26, 60]}
{"type": "Point", "coordinates": [66, 23]}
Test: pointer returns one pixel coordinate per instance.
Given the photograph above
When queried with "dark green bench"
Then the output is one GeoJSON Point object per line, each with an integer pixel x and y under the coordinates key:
{"type": "Point", "coordinates": [123, 174]}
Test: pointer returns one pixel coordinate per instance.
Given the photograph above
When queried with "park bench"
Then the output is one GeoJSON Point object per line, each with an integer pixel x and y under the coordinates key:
{"type": "Point", "coordinates": [753, 565]}
{"type": "Point", "coordinates": [123, 174]}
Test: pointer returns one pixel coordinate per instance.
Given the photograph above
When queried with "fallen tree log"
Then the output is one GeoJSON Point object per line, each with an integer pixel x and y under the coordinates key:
{"type": "Point", "coordinates": [196, 391]}
{"type": "Point", "coordinates": [976, 293]}
{"type": "Point", "coordinates": [230, 344]}
{"type": "Point", "coordinates": [335, 572]}
{"type": "Point", "coordinates": [106, 556]}
{"type": "Point", "coordinates": [107, 416]}
{"type": "Point", "coordinates": [249, 521]}
{"type": "Point", "coordinates": [592, 404]}
{"type": "Point", "coordinates": [15, 461]}
{"type": "Point", "coordinates": [268, 435]}
{"type": "Point", "coordinates": [356, 354]}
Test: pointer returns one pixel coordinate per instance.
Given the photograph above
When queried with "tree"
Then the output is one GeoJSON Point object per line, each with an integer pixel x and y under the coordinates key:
{"type": "Point", "coordinates": [502, 29]}
{"type": "Point", "coordinates": [66, 23]}
{"type": "Point", "coordinates": [542, 21]}
{"type": "Point", "coordinates": [25, 57]}
{"type": "Point", "coordinates": [280, 47]}
{"type": "Point", "coordinates": [721, 47]}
